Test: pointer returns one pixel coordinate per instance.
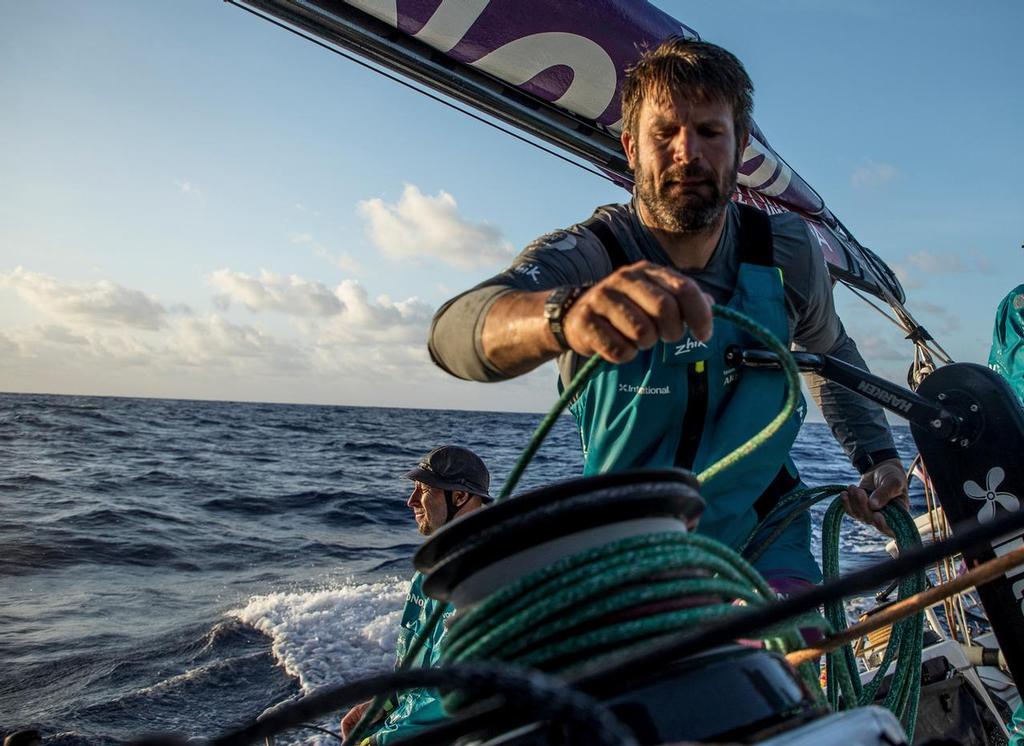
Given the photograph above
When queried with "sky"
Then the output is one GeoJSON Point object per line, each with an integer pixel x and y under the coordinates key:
{"type": "Point", "coordinates": [197, 204]}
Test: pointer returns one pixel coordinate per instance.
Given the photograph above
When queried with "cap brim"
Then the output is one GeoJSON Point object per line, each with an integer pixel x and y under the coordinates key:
{"type": "Point", "coordinates": [419, 474]}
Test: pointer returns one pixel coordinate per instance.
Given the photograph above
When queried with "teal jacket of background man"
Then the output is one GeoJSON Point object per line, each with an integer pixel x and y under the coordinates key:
{"type": "Point", "coordinates": [1007, 355]}
{"type": "Point", "coordinates": [679, 404]}
{"type": "Point", "coordinates": [415, 709]}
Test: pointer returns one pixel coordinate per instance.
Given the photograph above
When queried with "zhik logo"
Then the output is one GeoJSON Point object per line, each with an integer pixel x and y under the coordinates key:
{"type": "Point", "coordinates": [689, 345]}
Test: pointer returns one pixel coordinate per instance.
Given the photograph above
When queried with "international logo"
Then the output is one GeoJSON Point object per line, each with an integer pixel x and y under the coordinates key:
{"type": "Point", "coordinates": [629, 388]}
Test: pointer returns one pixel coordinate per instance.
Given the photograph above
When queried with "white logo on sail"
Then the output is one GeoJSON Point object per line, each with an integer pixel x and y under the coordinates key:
{"type": "Point", "coordinates": [990, 495]}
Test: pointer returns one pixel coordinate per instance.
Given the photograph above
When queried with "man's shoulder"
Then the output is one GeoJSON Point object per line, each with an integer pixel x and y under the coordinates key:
{"type": "Point", "coordinates": [792, 244]}
{"type": "Point", "coordinates": [574, 255]}
{"type": "Point", "coordinates": [790, 227]}
{"type": "Point", "coordinates": [582, 236]}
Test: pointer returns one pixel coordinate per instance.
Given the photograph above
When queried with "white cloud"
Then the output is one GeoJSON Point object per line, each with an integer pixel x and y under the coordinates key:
{"type": "Point", "coordinates": [420, 228]}
{"type": "Point", "coordinates": [872, 173]}
{"type": "Point", "coordinates": [102, 303]}
{"type": "Point", "coordinates": [913, 269]}
{"type": "Point", "coordinates": [190, 345]}
{"type": "Point", "coordinates": [343, 261]}
{"type": "Point", "coordinates": [933, 264]}
{"type": "Point", "coordinates": [213, 341]}
{"type": "Point", "coordinates": [379, 321]}
{"type": "Point", "coordinates": [189, 189]}
{"type": "Point", "coordinates": [373, 351]}
{"type": "Point", "coordinates": [907, 278]}
{"type": "Point", "coordinates": [271, 292]}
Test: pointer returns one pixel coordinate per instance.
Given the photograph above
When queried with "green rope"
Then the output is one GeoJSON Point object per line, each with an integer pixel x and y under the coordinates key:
{"type": "Point", "coordinates": [575, 611]}
{"type": "Point", "coordinates": [577, 383]}
{"type": "Point", "coordinates": [787, 510]}
{"type": "Point", "coordinates": [792, 374]}
{"type": "Point", "coordinates": [583, 375]}
{"type": "Point", "coordinates": [550, 619]}
{"type": "Point", "coordinates": [905, 640]}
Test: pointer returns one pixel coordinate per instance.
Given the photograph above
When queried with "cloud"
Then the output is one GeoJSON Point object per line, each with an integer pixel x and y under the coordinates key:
{"type": "Point", "coordinates": [422, 228]}
{"type": "Point", "coordinates": [344, 262]}
{"type": "Point", "coordinates": [193, 345]}
{"type": "Point", "coordinates": [942, 321]}
{"type": "Point", "coordinates": [871, 173]}
{"type": "Point", "coordinates": [271, 292]}
{"type": "Point", "coordinates": [875, 347]}
{"type": "Point", "coordinates": [102, 303]}
{"type": "Point", "coordinates": [983, 264]}
{"type": "Point", "coordinates": [189, 189]}
{"type": "Point", "coordinates": [934, 264]}
{"type": "Point", "coordinates": [214, 342]}
{"type": "Point", "coordinates": [907, 278]}
{"type": "Point", "coordinates": [379, 321]}
{"type": "Point", "coordinates": [372, 351]}
{"type": "Point", "coordinates": [912, 268]}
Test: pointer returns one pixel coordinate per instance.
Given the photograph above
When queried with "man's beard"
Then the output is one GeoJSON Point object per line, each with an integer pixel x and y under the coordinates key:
{"type": "Point", "coordinates": [693, 212]}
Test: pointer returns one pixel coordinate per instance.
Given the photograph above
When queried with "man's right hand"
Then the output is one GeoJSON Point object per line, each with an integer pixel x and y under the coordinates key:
{"type": "Point", "coordinates": [352, 718]}
{"type": "Point", "coordinates": [634, 307]}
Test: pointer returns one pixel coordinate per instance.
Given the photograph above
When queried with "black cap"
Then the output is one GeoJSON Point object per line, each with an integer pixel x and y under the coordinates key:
{"type": "Point", "coordinates": [453, 468]}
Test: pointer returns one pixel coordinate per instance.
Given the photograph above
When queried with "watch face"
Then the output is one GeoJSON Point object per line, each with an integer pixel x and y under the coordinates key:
{"type": "Point", "coordinates": [553, 304]}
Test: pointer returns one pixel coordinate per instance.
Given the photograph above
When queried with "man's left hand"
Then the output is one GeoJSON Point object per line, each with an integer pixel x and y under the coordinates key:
{"type": "Point", "coordinates": [887, 481]}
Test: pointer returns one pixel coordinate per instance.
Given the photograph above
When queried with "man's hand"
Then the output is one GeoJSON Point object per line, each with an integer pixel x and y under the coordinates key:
{"type": "Point", "coordinates": [352, 717]}
{"type": "Point", "coordinates": [886, 482]}
{"type": "Point", "coordinates": [634, 307]}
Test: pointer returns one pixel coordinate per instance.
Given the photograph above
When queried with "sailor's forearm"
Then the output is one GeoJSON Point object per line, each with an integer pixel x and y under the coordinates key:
{"type": "Point", "coordinates": [516, 337]}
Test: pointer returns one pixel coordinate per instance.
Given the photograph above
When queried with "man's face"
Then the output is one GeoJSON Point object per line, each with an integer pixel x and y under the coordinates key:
{"type": "Point", "coordinates": [685, 158]}
{"type": "Point", "coordinates": [428, 506]}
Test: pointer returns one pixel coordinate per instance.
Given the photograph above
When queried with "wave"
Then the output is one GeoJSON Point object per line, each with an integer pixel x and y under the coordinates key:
{"type": "Point", "coordinates": [26, 480]}
{"type": "Point", "coordinates": [333, 635]}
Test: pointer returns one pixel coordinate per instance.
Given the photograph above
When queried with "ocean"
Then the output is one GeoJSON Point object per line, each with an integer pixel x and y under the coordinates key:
{"type": "Point", "coordinates": [180, 566]}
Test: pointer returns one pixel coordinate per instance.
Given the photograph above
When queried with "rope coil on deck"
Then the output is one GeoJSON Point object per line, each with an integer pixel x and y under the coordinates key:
{"type": "Point", "coordinates": [578, 608]}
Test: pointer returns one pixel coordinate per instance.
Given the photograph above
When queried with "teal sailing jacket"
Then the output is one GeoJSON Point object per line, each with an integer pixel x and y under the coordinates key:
{"type": "Point", "coordinates": [681, 404]}
{"type": "Point", "coordinates": [415, 709]}
{"type": "Point", "coordinates": [1007, 355]}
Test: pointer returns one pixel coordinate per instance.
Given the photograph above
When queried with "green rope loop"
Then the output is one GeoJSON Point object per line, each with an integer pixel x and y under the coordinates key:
{"type": "Point", "coordinates": [905, 640]}
{"type": "Point", "coordinates": [763, 334]}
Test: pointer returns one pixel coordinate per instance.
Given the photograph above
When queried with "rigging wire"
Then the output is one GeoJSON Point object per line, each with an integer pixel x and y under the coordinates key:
{"type": "Point", "coordinates": [428, 94]}
{"type": "Point", "coordinates": [903, 324]}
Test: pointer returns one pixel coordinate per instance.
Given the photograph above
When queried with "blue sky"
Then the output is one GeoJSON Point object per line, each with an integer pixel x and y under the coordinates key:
{"type": "Point", "coordinates": [197, 204]}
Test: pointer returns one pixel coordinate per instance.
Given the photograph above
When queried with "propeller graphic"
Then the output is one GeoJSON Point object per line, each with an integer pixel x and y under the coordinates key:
{"type": "Point", "coordinates": [988, 493]}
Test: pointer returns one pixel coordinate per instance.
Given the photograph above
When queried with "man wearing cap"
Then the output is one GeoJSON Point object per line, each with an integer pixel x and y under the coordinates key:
{"type": "Point", "coordinates": [448, 482]}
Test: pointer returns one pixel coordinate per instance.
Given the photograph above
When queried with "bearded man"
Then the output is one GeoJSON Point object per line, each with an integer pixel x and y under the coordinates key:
{"type": "Point", "coordinates": [634, 284]}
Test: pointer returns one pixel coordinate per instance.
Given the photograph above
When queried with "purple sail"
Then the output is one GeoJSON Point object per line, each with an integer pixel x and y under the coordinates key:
{"type": "Point", "coordinates": [554, 68]}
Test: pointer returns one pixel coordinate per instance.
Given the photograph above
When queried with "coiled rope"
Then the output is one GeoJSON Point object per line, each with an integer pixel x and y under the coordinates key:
{"type": "Point", "coordinates": [557, 617]}
{"type": "Point", "coordinates": [546, 619]}
{"type": "Point", "coordinates": [905, 641]}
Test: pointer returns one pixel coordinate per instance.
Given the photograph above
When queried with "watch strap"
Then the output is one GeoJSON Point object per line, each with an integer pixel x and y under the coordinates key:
{"type": "Point", "coordinates": [556, 306]}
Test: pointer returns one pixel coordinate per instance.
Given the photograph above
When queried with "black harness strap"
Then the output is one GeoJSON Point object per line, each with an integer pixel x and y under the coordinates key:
{"type": "Point", "coordinates": [605, 234]}
{"type": "Point", "coordinates": [755, 237]}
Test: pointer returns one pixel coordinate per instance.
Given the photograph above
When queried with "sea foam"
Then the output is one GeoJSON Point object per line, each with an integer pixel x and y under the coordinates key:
{"type": "Point", "coordinates": [333, 635]}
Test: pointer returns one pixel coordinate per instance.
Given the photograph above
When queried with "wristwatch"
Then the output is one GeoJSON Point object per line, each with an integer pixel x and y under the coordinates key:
{"type": "Point", "coordinates": [556, 306]}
